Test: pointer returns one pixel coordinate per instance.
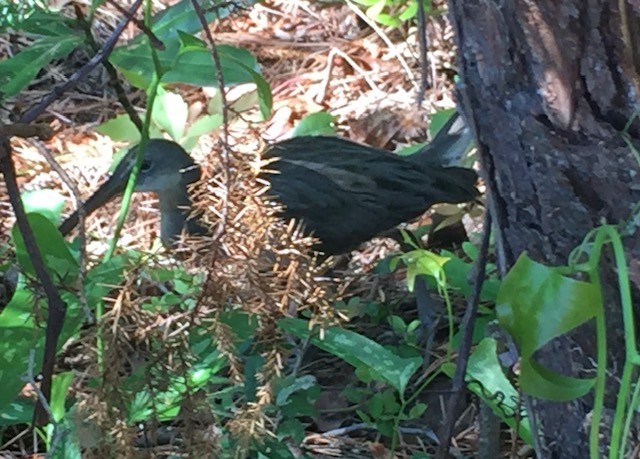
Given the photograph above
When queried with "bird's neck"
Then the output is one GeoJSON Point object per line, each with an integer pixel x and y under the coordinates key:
{"type": "Point", "coordinates": [175, 209]}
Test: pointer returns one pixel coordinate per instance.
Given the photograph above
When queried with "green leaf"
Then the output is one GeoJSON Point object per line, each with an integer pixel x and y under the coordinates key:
{"type": "Point", "coordinates": [20, 411]}
{"type": "Point", "coordinates": [18, 336]}
{"type": "Point", "coordinates": [49, 203]}
{"type": "Point", "coordinates": [120, 129]}
{"type": "Point", "coordinates": [271, 448]}
{"type": "Point", "coordinates": [320, 123]}
{"type": "Point", "coordinates": [470, 250]}
{"type": "Point", "coordinates": [457, 275]}
{"type": "Point", "coordinates": [59, 391]}
{"type": "Point", "coordinates": [375, 10]}
{"type": "Point", "coordinates": [165, 404]}
{"type": "Point", "coordinates": [292, 428]}
{"type": "Point", "coordinates": [386, 427]}
{"type": "Point", "coordinates": [301, 383]}
{"type": "Point", "coordinates": [391, 405]}
{"type": "Point", "coordinates": [486, 379]}
{"type": "Point", "coordinates": [376, 406]}
{"type": "Point", "coordinates": [423, 262]}
{"type": "Point", "coordinates": [410, 12]}
{"type": "Point", "coordinates": [58, 260]}
{"type": "Point", "coordinates": [536, 304]}
{"type": "Point", "coordinates": [69, 445]}
{"type": "Point", "coordinates": [170, 113]}
{"type": "Point", "coordinates": [397, 324]}
{"type": "Point", "coordinates": [417, 410]}
{"type": "Point", "coordinates": [190, 43]}
{"type": "Point", "coordinates": [101, 279]}
{"type": "Point", "coordinates": [47, 24]}
{"type": "Point", "coordinates": [192, 65]}
{"type": "Point", "coordinates": [359, 351]}
{"type": "Point", "coordinates": [181, 16]}
{"type": "Point", "coordinates": [203, 125]}
{"type": "Point", "coordinates": [17, 72]}
{"type": "Point", "coordinates": [439, 119]}
{"type": "Point", "coordinates": [387, 20]}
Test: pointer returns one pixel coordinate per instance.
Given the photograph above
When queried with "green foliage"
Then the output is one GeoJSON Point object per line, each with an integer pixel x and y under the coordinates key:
{"type": "Point", "coordinates": [486, 379]}
{"type": "Point", "coordinates": [320, 123]}
{"type": "Point", "coordinates": [57, 257]}
{"type": "Point", "coordinates": [528, 307]}
{"type": "Point", "coordinates": [393, 13]}
{"type": "Point", "coordinates": [184, 59]}
{"type": "Point", "coordinates": [17, 72]}
{"type": "Point", "coordinates": [49, 203]}
{"type": "Point", "coordinates": [359, 351]}
{"type": "Point", "coordinates": [13, 14]}
{"type": "Point", "coordinates": [169, 116]}
{"type": "Point", "coordinates": [21, 331]}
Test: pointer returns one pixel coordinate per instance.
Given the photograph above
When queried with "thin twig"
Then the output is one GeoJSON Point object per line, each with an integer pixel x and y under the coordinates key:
{"type": "Point", "coordinates": [329, 69]}
{"type": "Point", "coordinates": [224, 153]}
{"type": "Point", "coordinates": [30, 378]}
{"type": "Point", "coordinates": [387, 41]}
{"type": "Point", "coordinates": [111, 70]}
{"type": "Point", "coordinates": [41, 131]}
{"type": "Point", "coordinates": [77, 198]}
{"type": "Point", "coordinates": [57, 307]}
{"type": "Point", "coordinates": [153, 40]}
{"type": "Point", "coordinates": [423, 46]}
{"type": "Point", "coordinates": [36, 110]}
{"type": "Point", "coordinates": [467, 326]}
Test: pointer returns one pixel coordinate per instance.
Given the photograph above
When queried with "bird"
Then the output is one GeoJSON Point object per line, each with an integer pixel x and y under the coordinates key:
{"type": "Point", "coordinates": [343, 192]}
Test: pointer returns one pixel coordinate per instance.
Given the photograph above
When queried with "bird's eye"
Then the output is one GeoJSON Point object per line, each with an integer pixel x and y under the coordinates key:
{"type": "Point", "coordinates": [145, 166]}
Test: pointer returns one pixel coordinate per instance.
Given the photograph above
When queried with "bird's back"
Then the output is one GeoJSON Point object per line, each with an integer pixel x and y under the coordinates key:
{"type": "Point", "coordinates": [347, 193]}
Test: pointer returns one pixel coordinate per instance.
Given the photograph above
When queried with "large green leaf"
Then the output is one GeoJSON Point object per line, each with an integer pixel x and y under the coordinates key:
{"type": "Point", "coordinates": [18, 336]}
{"type": "Point", "coordinates": [57, 257]}
{"type": "Point", "coordinates": [359, 351]}
{"type": "Point", "coordinates": [181, 16]}
{"type": "Point", "coordinates": [30, 18]}
{"type": "Point", "coordinates": [319, 123]}
{"type": "Point", "coordinates": [18, 71]}
{"type": "Point", "coordinates": [183, 63]}
{"type": "Point", "coordinates": [48, 24]}
{"type": "Point", "coordinates": [536, 304]}
{"type": "Point", "coordinates": [486, 379]}
{"type": "Point", "coordinates": [170, 113]}
{"type": "Point", "coordinates": [46, 202]}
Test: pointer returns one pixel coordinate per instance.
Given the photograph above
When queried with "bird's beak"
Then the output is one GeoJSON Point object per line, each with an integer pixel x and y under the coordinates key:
{"type": "Point", "coordinates": [112, 187]}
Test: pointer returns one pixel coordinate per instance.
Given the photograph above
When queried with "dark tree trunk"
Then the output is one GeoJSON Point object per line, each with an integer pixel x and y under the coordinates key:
{"type": "Point", "coordinates": [548, 85]}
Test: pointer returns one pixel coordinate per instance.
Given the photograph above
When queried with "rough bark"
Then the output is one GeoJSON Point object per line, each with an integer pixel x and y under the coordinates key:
{"type": "Point", "coordinates": [549, 86]}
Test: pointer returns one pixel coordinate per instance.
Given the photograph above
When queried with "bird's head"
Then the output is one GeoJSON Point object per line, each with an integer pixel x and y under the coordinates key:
{"type": "Point", "coordinates": [166, 169]}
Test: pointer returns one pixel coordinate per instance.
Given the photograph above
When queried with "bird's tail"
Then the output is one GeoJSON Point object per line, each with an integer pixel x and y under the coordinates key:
{"type": "Point", "coordinates": [442, 156]}
{"type": "Point", "coordinates": [449, 145]}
